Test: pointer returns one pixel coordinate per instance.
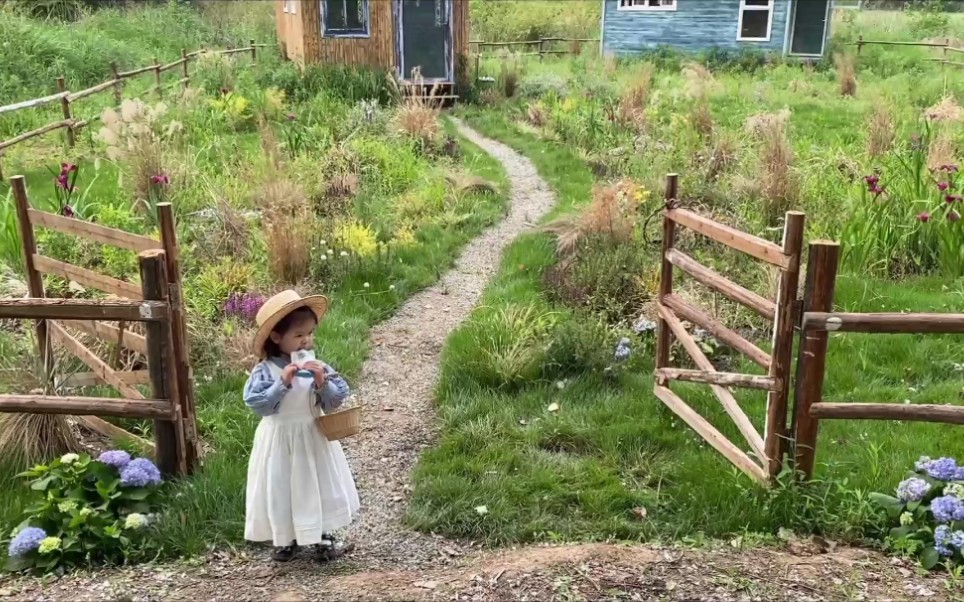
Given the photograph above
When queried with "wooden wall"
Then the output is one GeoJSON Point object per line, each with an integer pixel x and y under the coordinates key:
{"type": "Point", "coordinates": [290, 28]}
{"type": "Point", "coordinates": [460, 23]}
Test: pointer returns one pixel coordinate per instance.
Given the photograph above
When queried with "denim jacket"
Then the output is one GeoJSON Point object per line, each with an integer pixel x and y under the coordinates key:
{"type": "Point", "coordinates": [263, 392]}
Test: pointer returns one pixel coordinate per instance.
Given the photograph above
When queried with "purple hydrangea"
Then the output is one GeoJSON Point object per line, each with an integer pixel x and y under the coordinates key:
{"type": "Point", "coordinates": [140, 472]}
{"type": "Point", "coordinates": [243, 305]}
{"type": "Point", "coordinates": [26, 541]}
{"type": "Point", "coordinates": [117, 458]}
{"type": "Point", "coordinates": [942, 469]}
{"type": "Point", "coordinates": [912, 489]}
{"type": "Point", "coordinates": [942, 536]}
{"type": "Point", "coordinates": [947, 508]}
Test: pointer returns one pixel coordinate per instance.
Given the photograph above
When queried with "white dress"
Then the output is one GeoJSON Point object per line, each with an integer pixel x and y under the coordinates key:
{"type": "Point", "coordinates": [299, 484]}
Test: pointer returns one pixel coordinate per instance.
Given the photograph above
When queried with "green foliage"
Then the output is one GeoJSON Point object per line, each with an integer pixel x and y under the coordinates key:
{"type": "Point", "coordinates": [87, 514]}
{"type": "Point", "coordinates": [515, 20]}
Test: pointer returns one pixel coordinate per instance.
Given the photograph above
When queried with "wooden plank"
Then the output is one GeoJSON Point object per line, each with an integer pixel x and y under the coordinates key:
{"type": "Point", "coordinates": [79, 125]}
{"type": "Point", "coordinates": [724, 379]}
{"type": "Point", "coordinates": [727, 288]}
{"type": "Point", "coordinates": [33, 133]}
{"type": "Point", "coordinates": [35, 281]}
{"type": "Point", "coordinates": [168, 66]}
{"type": "Point", "coordinates": [32, 103]}
{"type": "Point", "coordinates": [86, 277]}
{"type": "Point", "coordinates": [818, 295]}
{"type": "Point", "coordinates": [945, 414]}
{"type": "Point", "coordinates": [83, 309]}
{"type": "Point", "coordinates": [726, 399]}
{"type": "Point", "coordinates": [116, 433]}
{"type": "Point", "coordinates": [133, 72]}
{"type": "Point", "coordinates": [92, 90]}
{"type": "Point", "coordinates": [731, 237]}
{"type": "Point", "coordinates": [775, 428]}
{"type": "Point", "coordinates": [709, 433]}
{"type": "Point", "coordinates": [89, 379]}
{"type": "Point", "coordinates": [110, 334]}
{"type": "Point", "coordinates": [234, 50]}
{"type": "Point", "coordinates": [884, 323]}
{"type": "Point", "coordinates": [101, 406]}
{"type": "Point", "coordinates": [94, 232]}
{"type": "Point", "coordinates": [895, 43]}
{"type": "Point", "coordinates": [663, 333]}
{"type": "Point", "coordinates": [718, 330]}
{"type": "Point", "coordinates": [94, 363]}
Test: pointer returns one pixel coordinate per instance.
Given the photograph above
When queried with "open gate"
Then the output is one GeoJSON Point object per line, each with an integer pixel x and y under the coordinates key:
{"type": "Point", "coordinates": [769, 448]}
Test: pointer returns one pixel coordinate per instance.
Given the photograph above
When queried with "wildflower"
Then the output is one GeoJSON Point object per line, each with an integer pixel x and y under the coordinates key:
{"type": "Point", "coordinates": [912, 489]}
{"type": "Point", "coordinates": [323, 258]}
{"type": "Point", "coordinates": [947, 508]}
{"type": "Point", "coordinates": [324, 243]}
{"type": "Point", "coordinates": [48, 545]}
{"type": "Point", "coordinates": [62, 181]}
{"type": "Point", "coordinates": [906, 518]}
{"type": "Point", "coordinates": [67, 211]}
{"type": "Point", "coordinates": [85, 512]}
{"type": "Point", "coordinates": [135, 521]}
{"type": "Point", "coordinates": [140, 473]}
{"type": "Point", "coordinates": [344, 254]}
{"type": "Point", "coordinates": [69, 458]}
{"type": "Point", "coordinates": [623, 350]}
{"type": "Point", "coordinates": [116, 458]}
{"type": "Point", "coordinates": [876, 190]}
{"type": "Point", "coordinates": [26, 541]}
{"type": "Point", "coordinates": [644, 325]}
{"type": "Point", "coordinates": [292, 117]}
{"type": "Point", "coordinates": [871, 180]}
{"type": "Point", "coordinates": [66, 506]}
{"type": "Point", "coordinates": [952, 198]}
{"type": "Point", "coordinates": [66, 168]}
{"type": "Point", "coordinates": [942, 469]}
{"type": "Point", "coordinates": [161, 179]}
{"type": "Point", "coordinates": [942, 186]}
{"type": "Point", "coordinates": [953, 216]}
{"type": "Point", "coordinates": [331, 252]}
{"type": "Point", "coordinates": [949, 168]}
{"type": "Point", "coordinates": [391, 288]}
{"type": "Point", "coordinates": [923, 217]}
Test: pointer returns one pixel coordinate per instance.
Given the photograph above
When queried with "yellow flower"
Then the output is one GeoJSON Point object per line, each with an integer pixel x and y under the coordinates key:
{"type": "Point", "coordinates": [641, 195]}
{"type": "Point", "coordinates": [404, 238]}
{"type": "Point", "coordinates": [358, 238]}
{"type": "Point", "coordinates": [274, 98]}
{"type": "Point", "coordinates": [49, 544]}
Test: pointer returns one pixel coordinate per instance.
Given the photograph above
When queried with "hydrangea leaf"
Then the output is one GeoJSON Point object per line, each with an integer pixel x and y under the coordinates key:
{"type": "Point", "coordinates": [929, 558]}
{"type": "Point", "coordinates": [892, 505]}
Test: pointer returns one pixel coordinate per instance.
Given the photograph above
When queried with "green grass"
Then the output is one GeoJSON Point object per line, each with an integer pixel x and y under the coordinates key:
{"type": "Point", "coordinates": [579, 473]}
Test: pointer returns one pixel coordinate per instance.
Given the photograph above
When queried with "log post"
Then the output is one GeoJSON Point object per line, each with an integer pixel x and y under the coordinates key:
{"type": "Point", "coordinates": [812, 354]}
{"type": "Point", "coordinates": [65, 108]}
{"type": "Point", "coordinates": [157, 78]}
{"type": "Point", "coordinates": [182, 353]}
{"type": "Point", "coordinates": [184, 70]}
{"type": "Point", "coordinates": [160, 364]}
{"type": "Point", "coordinates": [860, 44]}
{"type": "Point", "coordinates": [35, 281]}
{"type": "Point", "coordinates": [663, 335]}
{"type": "Point", "coordinates": [782, 355]}
{"type": "Point", "coordinates": [118, 84]}
{"type": "Point", "coordinates": [254, 52]}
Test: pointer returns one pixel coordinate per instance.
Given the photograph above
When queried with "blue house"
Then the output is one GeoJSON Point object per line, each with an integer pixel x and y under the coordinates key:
{"type": "Point", "coordinates": [788, 27]}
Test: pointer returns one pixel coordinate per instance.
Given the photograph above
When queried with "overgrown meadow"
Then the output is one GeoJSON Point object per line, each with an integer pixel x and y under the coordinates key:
{"type": "Point", "coordinates": [327, 181]}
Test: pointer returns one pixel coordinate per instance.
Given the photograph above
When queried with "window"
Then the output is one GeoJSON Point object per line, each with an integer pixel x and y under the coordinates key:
{"type": "Point", "coordinates": [290, 6]}
{"type": "Point", "coordinates": [756, 18]}
{"type": "Point", "coordinates": [647, 4]}
{"type": "Point", "coordinates": [346, 18]}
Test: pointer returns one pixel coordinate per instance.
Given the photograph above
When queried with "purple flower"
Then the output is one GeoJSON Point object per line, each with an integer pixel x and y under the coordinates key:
{"type": "Point", "coordinates": [947, 508]}
{"type": "Point", "coordinates": [161, 179]}
{"type": "Point", "coordinates": [243, 305]}
{"type": "Point", "coordinates": [67, 211]}
{"type": "Point", "coordinates": [942, 186]}
{"type": "Point", "coordinates": [912, 489]}
{"type": "Point", "coordinates": [26, 541]}
{"type": "Point", "coordinates": [62, 181]}
{"type": "Point", "coordinates": [66, 168]}
{"type": "Point", "coordinates": [942, 536]}
{"type": "Point", "coordinates": [952, 198]}
{"type": "Point", "coordinates": [953, 216]}
{"type": "Point", "coordinates": [942, 469]}
{"type": "Point", "coordinates": [117, 458]}
{"type": "Point", "coordinates": [949, 168]}
{"type": "Point", "coordinates": [623, 350]}
{"type": "Point", "coordinates": [872, 180]}
{"type": "Point", "coordinates": [923, 217]}
{"type": "Point", "coordinates": [140, 472]}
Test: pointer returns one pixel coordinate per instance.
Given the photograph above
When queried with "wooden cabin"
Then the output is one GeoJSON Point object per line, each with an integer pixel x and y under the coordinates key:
{"type": "Point", "coordinates": [399, 35]}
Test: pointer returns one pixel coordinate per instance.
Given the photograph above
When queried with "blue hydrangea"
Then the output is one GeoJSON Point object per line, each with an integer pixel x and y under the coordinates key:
{"type": "Point", "coordinates": [921, 464]}
{"type": "Point", "coordinates": [942, 537]}
{"type": "Point", "coordinates": [957, 539]}
{"type": "Point", "coordinates": [26, 541]}
{"type": "Point", "coordinates": [942, 469]}
{"type": "Point", "coordinates": [623, 351]}
{"type": "Point", "coordinates": [947, 508]}
{"type": "Point", "coordinates": [117, 458]}
{"type": "Point", "coordinates": [912, 489]}
{"type": "Point", "coordinates": [140, 472]}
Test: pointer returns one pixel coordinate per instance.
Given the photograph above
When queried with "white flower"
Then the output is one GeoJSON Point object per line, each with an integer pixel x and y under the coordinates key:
{"type": "Point", "coordinates": [906, 519]}
{"type": "Point", "coordinates": [69, 458]}
{"type": "Point", "coordinates": [324, 243]}
{"type": "Point", "coordinates": [366, 285]}
{"type": "Point", "coordinates": [483, 510]}
{"type": "Point", "coordinates": [135, 521]}
{"type": "Point", "coordinates": [344, 253]}
{"type": "Point", "coordinates": [323, 258]}
{"type": "Point", "coordinates": [391, 288]}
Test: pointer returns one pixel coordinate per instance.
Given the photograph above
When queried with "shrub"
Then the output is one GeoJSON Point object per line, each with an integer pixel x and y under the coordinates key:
{"type": "Point", "coordinates": [542, 84]}
{"type": "Point", "coordinates": [86, 512]}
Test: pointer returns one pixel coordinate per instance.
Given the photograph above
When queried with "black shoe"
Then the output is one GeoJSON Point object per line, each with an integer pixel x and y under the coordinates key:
{"type": "Point", "coordinates": [330, 550]}
{"type": "Point", "coordinates": [284, 553]}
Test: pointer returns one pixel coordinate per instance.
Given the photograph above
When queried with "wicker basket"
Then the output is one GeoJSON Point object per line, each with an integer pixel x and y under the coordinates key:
{"type": "Point", "coordinates": [339, 425]}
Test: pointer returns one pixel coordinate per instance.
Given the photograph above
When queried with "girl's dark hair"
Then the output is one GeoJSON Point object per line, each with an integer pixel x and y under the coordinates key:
{"type": "Point", "coordinates": [298, 316]}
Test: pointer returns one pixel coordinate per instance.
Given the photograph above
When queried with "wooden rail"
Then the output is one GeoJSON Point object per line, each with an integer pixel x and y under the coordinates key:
{"type": "Point", "coordinates": [731, 290]}
{"type": "Point", "coordinates": [121, 408]}
{"type": "Point", "coordinates": [83, 309]}
{"type": "Point", "coordinates": [92, 231]}
{"type": "Point", "coordinates": [945, 414]}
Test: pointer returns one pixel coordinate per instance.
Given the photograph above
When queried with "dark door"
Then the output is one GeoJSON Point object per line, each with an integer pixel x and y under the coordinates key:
{"type": "Point", "coordinates": [809, 27]}
{"type": "Point", "coordinates": [426, 38]}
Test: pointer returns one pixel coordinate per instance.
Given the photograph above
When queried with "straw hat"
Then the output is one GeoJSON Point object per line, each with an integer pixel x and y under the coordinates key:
{"type": "Point", "coordinates": [276, 308]}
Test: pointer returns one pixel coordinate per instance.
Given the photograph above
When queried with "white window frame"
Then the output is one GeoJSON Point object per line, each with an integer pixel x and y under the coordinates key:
{"type": "Point", "coordinates": [739, 25]}
{"type": "Point", "coordinates": [644, 5]}
{"type": "Point", "coordinates": [289, 6]}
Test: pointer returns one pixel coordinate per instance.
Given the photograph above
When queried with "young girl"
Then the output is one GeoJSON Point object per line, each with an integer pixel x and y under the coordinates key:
{"type": "Point", "coordinates": [300, 488]}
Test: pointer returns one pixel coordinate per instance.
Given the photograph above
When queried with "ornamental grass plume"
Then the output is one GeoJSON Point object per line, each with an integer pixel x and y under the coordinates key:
{"type": "Point", "coordinates": [417, 117]}
{"type": "Point", "coordinates": [613, 212]}
{"type": "Point", "coordinates": [777, 182]}
{"type": "Point", "coordinates": [880, 132]}
{"type": "Point", "coordinates": [289, 224]}
{"type": "Point", "coordinates": [946, 109]}
{"type": "Point", "coordinates": [631, 110]}
{"type": "Point", "coordinates": [846, 66]}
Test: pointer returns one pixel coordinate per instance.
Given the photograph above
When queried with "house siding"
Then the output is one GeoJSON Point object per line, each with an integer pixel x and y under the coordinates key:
{"type": "Point", "coordinates": [695, 25]}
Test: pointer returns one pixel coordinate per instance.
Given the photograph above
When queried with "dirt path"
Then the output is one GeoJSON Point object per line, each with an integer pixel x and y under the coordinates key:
{"type": "Point", "coordinates": [394, 563]}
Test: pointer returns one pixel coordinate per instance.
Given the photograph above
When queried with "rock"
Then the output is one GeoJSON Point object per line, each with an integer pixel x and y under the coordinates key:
{"type": "Point", "coordinates": [426, 584]}
{"type": "Point", "coordinates": [290, 596]}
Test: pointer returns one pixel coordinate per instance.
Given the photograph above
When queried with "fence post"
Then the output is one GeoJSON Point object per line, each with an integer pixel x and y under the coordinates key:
{"type": "Point", "coordinates": [157, 78]}
{"type": "Point", "coordinates": [860, 44]}
{"type": "Point", "coordinates": [947, 42]}
{"type": "Point", "coordinates": [254, 52]}
{"type": "Point", "coordinates": [663, 340]}
{"type": "Point", "coordinates": [35, 281]}
{"type": "Point", "coordinates": [775, 440]}
{"type": "Point", "coordinates": [184, 67]}
{"type": "Point", "coordinates": [181, 352]}
{"type": "Point", "coordinates": [167, 450]}
{"type": "Point", "coordinates": [118, 84]}
{"type": "Point", "coordinates": [65, 107]}
{"type": "Point", "coordinates": [812, 354]}
{"type": "Point", "coordinates": [541, 40]}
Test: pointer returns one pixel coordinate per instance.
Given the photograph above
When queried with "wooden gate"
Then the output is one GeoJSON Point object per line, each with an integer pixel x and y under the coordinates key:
{"type": "Point", "coordinates": [817, 322]}
{"type": "Point", "coordinates": [156, 301]}
{"type": "Point", "coordinates": [672, 309]}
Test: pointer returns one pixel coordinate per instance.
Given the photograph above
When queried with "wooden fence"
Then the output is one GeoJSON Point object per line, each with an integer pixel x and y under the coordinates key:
{"type": "Point", "coordinates": [544, 47]}
{"type": "Point", "coordinates": [156, 302]}
{"type": "Point", "coordinates": [71, 124]}
{"type": "Point", "coordinates": [768, 449]}
{"type": "Point", "coordinates": [944, 47]}
{"type": "Point", "coordinates": [817, 321]}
